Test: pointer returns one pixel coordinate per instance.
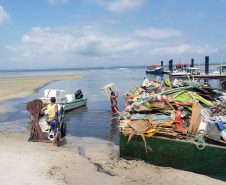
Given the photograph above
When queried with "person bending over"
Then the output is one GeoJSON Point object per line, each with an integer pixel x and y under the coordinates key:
{"type": "Point", "coordinates": [52, 117]}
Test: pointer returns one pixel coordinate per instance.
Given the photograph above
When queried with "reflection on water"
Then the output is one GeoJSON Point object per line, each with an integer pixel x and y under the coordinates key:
{"type": "Point", "coordinates": [156, 77]}
{"type": "Point", "coordinates": [114, 128]}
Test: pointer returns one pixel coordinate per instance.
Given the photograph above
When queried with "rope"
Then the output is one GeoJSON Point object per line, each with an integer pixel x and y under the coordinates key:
{"type": "Point", "coordinates": [199, 142]}
{"type": "Point", "coordinates": [12, 115]}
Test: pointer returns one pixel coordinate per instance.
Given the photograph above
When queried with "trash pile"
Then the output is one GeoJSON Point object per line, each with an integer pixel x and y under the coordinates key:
{"type": "Point", "coordinates": [187, 111]}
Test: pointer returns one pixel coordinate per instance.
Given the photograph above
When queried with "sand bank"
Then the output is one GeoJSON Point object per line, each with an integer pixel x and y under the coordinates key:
{"type": "Point", "coordinates": [18, 87]}
{"type": "Point", "coordinates": [33, 163]}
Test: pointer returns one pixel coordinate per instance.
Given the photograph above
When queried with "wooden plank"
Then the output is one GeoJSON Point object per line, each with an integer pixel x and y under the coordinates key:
{"type": "Point", "coordinates": [195, 118]}
{"type": "Point", "coordinates": [158, 104]}
{"type": "Point", "coordinates": [138, 125]}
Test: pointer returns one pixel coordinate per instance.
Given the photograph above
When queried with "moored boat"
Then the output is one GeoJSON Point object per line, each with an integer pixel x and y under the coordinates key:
{"type": "Point", "coordinates": [155, 69]}
{"type": "Point", "coordinates": [183, 70]}
{"type": "Point", "coordinates": [68, 101]}
{"type": "Point", "coordinates": [180, 127]}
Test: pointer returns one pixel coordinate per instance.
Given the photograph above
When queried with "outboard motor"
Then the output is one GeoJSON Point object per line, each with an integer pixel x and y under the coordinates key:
{"type": "Point", "coordinates": [78, 94]}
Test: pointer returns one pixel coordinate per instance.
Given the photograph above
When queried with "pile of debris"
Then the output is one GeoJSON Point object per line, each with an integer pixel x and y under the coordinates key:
{"type": "Point", "coordinates": [187, 111]}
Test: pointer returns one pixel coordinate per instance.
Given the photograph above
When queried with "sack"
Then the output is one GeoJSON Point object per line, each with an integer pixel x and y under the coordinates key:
{"type": "Point", "coordinates": [78, 94]}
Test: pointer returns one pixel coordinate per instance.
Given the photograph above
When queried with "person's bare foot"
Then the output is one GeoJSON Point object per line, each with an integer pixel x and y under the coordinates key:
{"type": "Point", "coordinates": [54, 146]}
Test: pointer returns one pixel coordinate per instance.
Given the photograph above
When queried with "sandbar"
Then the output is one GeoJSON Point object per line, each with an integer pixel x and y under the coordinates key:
{"type": "Point", "coordinates": [18, 87]}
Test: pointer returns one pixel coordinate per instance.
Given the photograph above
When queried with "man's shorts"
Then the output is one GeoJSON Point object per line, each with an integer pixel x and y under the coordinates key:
{"type": "Point", "coordinates": [113, 109]}
{"type": "Point", "coordinates": [55, 126]}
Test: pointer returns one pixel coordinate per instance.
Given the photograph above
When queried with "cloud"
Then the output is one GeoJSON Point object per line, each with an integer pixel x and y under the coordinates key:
{"type": "Point", "coordinates": [4, 16]}
{"type": "Point", "coordinates": [121, 6]}
{"type": "Point", "coordinates": [52, 2]}
{"type": "Point", "coordinates": [154, 33]}
{"type": "Point", "coordinates": [184, 49]}
{"type": "Point", "coordinates": [72, 46]}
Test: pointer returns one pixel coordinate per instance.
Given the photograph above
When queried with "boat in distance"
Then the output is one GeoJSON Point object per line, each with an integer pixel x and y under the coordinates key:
{"type": "Point", "coordinates": [155, 69]}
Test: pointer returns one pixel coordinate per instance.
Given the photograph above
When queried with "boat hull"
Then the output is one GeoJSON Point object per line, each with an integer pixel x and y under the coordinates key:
{"type": "Point", "coordinates": [180, 74]}
{"type": "Point", "coordinates": [75, 104]}
{"type": "Point", "coordinates": [175, 153]}
{"type": "Point", "coordinates": [157, 71]}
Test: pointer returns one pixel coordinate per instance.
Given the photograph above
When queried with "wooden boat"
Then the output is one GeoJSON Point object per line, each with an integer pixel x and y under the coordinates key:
{"type": "Point", "coordinates": [69, 101]}
{"type": "Point", "coordinates": [178, 154]}
{"type": "Point", "coordinates": [155, 69]}
{"type": "Point", "coordinates": [194, 142]}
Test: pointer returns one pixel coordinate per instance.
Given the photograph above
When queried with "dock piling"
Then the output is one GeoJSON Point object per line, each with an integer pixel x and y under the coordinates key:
{"type": "Point", "coordinates": [207, 65]}
{"type": "Point", "coordinates": [171, 65]}
{"type": "Point", "coordinates": [192, 62]}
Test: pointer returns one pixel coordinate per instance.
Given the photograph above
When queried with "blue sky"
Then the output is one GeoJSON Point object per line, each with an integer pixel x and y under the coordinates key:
{"type": "Point", "coordinates": [101, 33]}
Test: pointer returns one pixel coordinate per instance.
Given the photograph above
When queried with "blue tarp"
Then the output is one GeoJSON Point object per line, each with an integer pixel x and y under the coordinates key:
{"type": "Point", "coordinates": [139, 116]}
{"type": "Point", "coordinates": [159, 117]}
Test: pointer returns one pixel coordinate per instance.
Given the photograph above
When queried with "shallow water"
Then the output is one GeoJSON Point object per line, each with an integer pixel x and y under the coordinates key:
{"type": "Point", "coordinates": [91, 121]}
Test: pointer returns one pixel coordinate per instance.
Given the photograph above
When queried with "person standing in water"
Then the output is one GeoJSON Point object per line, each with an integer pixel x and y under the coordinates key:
{"type": "Point", "coordinates": [52, 117]}
{"type": "Point", "coordinates": [114, 102]}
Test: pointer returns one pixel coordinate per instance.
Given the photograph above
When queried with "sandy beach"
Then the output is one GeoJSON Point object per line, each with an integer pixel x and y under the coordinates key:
{"type": "Point", "coordinates": [34, 163]}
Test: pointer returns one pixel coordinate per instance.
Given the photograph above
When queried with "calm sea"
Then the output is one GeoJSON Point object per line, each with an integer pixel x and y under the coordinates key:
{"type": "Point", "coordinates": [94, 121]}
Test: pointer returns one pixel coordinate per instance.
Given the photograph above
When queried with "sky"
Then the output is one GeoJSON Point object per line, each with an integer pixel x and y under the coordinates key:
{"type": "Point", "coordinates": [42, 34]}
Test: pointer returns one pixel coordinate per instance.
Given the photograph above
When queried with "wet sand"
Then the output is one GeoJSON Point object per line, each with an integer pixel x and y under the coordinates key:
{"type": "Point", "coordinates": [18, 87]}
{"type": "Point", "coordinates": [34, 163]}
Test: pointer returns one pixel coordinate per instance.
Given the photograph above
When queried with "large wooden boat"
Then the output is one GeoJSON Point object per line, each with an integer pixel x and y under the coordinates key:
{"type": "Point", "coordinates": [178, 154]}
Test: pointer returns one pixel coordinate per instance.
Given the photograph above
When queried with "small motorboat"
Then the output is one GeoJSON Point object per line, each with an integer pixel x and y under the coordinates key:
{"type": "Point", "coordinates": [155, 69]}
{"type": "Point", "coordinates": [68, 101]}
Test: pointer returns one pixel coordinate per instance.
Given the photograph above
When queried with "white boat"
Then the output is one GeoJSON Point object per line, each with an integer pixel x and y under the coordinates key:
{"type": "Point", "coordinates": [185, 72]}
{"type": "Point", "coordinates": [69, 101]}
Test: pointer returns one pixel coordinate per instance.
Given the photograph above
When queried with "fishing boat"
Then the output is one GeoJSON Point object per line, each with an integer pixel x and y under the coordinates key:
{"type": "Point", "coordinates": [155, 69]}
{"type": "Point", "coordinates": [184, 70]}
{"type": "Point", "coordinates": [68, 101]}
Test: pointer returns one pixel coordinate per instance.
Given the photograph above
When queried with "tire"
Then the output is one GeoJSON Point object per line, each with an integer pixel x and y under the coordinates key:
{"type": "Point", "coordinates": [63, 129]}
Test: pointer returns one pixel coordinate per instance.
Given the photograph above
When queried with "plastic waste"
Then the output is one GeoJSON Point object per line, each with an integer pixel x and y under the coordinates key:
{"type": "Point", "coordinates": [51, 136]}
{"type": "Point", "coordinates": [223, 134]}
{"type": "Point", "coordinates": [202, 128]}
{"type": "Point", "coordinates": [146, 82]}
{"type": "Point", "coordinates": [220, 125]}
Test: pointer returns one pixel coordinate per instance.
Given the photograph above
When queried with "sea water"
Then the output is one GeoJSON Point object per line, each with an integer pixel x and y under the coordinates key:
{"type": "Point", "coordinates": [95, 121]}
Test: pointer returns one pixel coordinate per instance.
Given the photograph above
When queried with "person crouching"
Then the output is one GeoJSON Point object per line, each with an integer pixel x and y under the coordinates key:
{"type": "Point", "coordinates": [52, 117]}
